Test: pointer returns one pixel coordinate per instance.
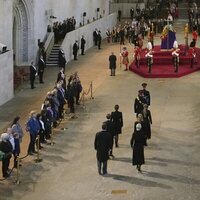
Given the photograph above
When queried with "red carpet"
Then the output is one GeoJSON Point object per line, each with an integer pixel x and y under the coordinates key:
{"type": "Point", "coordinates": [163, 67]}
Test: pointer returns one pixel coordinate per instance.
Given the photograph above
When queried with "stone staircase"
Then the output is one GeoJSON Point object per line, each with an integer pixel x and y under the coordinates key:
{"type": "Point", "coordinates": [52, 60]}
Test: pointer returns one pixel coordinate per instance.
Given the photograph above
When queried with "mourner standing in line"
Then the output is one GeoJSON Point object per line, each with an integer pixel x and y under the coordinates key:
{"type": "Point", "coordinates": [75, 50]}
{"type": "Point", "coordinates": [83, 42]}
{"type": "Point", "coordinates": [137, 144]}
{"type": "Point", "coordinates": [99, 38]}
{"type": "Point", "coordinates": [112, 63]}
{"type": "Point", "coordinates": [117, 119]}
{"type": "Point", "coordinates": [110, 129]}
{"type": "Point", "coordinates": [41, 67]}
{"type": "Point", "coordinates": [119, 15]}
{"type": "Point", "coordinates": [146, 94]}
{"type": "Point", "coordinates": [146, 113]}
{"type": "Point", "coordinates": [95, 36]}
{"type": "Point", "coordinates": [102, 145]}
{"type": "Point", "coordinates": [139, 102]}
{"type": "Point", "coordinates": [33, 74]}
{"type": "Point", "coordinates": [61, 59]}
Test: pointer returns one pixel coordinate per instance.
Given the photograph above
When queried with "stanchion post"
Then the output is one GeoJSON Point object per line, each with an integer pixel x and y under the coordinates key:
{"type": "Point", "coordinates": [91, 87]}
{"type": "Point", "coordinates": [17, 176]}
{"type": "Point", "coordinates": [38, 159]}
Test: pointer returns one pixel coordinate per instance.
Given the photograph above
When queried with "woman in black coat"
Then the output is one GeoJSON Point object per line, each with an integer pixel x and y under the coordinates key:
{"type": "Point", "coordinates": [147, 120]}
{"type": "Point", "coordinates": [137, 144]}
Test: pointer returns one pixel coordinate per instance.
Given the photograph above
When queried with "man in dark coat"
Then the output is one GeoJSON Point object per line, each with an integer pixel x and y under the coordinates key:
{"type": "Point", "coordinates": [75, 49]}
{"type": "Point", "coordinates": [110, 129]}
{"type": "Point", "coordinates": [117, 119]}
{"type": "Point", "coordinates": [146, 94]}
{"type": "Point", "coordinates": [33, 74]}
{"type": "Point", "coordinates": [61, 59]}
{"type": "Point", "coordinates": [83, 45]}
{"type": "Point", "coordinates": [41, 66]}
{"type": "Point", "coordinates": [119, 15]}
{"type": "Point", "coordinates": [112, 63]}
{"type": "Point", "coordinates": [102, 144]}
{"type": "Point", "coordinates": [139, 102]}
{"type": "Point", "coordinates": [95, 36]}
{"type": "Point", "coordinates": [99, 38]}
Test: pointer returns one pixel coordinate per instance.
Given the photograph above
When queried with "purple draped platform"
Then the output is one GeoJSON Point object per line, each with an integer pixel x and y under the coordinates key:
{"type": "Point", "coordinates": [167, 42]}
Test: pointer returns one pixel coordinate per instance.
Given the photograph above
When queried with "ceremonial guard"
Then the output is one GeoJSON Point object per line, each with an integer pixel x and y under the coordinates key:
{"type": "Point", "coordinates": [149, 57]}
{"type": "Point", "coordinates": [125, 59]}
{"type": "Point", "coordinates": [137, 55]}
{"type": "Point", "coordinates": [175, 56]}
{"type": "Point", "coordinates": [146, 94]}
{"type": "Point", "coordinates": [82, 45]}
{"type": "Point", "coordinates": [41, 66]}
{"type": "Point", "coordinates": [33, 74]}
{"type": "Point", "coordinates": [186, 33]}
{"type": "Point", "coordinates": [192, 53]}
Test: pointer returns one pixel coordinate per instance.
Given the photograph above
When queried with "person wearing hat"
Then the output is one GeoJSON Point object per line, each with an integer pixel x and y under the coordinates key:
{"type": "Point", "coordinates": [6, 148]}
{"type": "Point", "coordinates": [102, 145]}
{"type": "Point", "coordinates": [125, 59]}
{"type": "Point", "coordinates": [192, 53]}
{"type": "Point", "coordinates": [137, 144]}
{"type": "Point", "coordinates": [146, 94]}
{"type": "Point", "coordinates": [110, 129]}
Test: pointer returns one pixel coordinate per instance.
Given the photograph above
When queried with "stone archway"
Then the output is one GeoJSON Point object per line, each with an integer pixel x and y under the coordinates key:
{"type": "Point", "coordinates": [22, 31]}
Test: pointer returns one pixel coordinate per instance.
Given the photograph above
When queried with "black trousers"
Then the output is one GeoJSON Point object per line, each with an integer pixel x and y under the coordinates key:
{"type": "Point", "coordinates": [32, 79]}
{"type": "Point", "coordinates": [41, 77]}
{"type": "Point", "coordinates": [31, 147]}
{"type": "Point", "coordinates": [82, 51]}
{"type": "Point", "coordinates": [100, 164]}
{"type": "Point", "coordinates": [75, 56]}
{"type": "Point", "coordinates": [112, 72]}
{"type": "Point", "coordinates": [5, 165]}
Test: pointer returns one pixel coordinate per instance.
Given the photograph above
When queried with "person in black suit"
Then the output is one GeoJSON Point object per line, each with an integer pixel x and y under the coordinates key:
{"type": "Point", "coordinates": [99, 38]}
{"type": "Point", "coordinates": [61, 59]}
{"type": "Point", "coordinates": [139, 103]}
{"type": "Point", "coordinates": [112, 65]}
{"type": "Point", "coordinates": [110, 129]}
{"type": "Point", "coordinates": [119, 15]}
{"type": "Point", "coordinates": [137, 143]}
{"type": "Point", "coordinates": [95, 36]}
{"type": "Point", "coordinates": [146, 94]}
{"type": "Point", "coordinates": [132, 13]}
{"type": "Point", "coordinates": [82, 45]}
{"type": "Point", "coordinates": [117, 119]}
{"type": "Point", "coordinates": [33, 74]}
{"type": "Point", "coordinates": [102, 144]}
{"type": "Point", "coordinates": [75, 49]}
{"type": "Point", "coordinates": [41, 66]}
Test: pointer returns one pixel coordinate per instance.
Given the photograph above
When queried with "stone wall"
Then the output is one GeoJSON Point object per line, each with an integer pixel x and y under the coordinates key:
{"type": "Point", "coordinates": [102, 24]}
{"type": "Point", "coordinates": [6, 77]}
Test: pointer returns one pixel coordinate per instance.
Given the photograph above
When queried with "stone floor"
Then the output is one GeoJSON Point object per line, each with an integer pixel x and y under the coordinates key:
{"type": "Point", "coordinates": [68, 170]}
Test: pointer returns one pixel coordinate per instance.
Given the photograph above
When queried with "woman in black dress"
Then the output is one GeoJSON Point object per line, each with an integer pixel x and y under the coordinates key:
{"type": "Point", "coordinates": [137, 143]}
{"type": "Point", "coordinates": [147, 120]}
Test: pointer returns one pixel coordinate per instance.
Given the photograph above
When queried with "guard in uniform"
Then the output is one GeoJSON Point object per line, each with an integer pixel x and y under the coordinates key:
{"type": "Point", "coordinates": [175, 56]}
{"type": "Point", "coordinates": [149, 57]}
{"type": "Point", "coordinates": [137, 55]}
{"type": "Point", "coordinates": [192, 54]}
{"type": "Point", "coordinates": [125, 59]}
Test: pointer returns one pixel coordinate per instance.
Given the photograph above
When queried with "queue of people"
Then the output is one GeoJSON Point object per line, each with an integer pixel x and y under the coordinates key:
{"type": "Point", "coordinates": [112, 128]}
{"type": "Point", "coordinates": [41, 123]}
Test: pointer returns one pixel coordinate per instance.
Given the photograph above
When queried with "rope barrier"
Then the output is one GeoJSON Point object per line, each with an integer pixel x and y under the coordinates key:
{"type": "Point", "coordinates": [38, 159]}
{"type": "Point", "coordinates": [90, 90]}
